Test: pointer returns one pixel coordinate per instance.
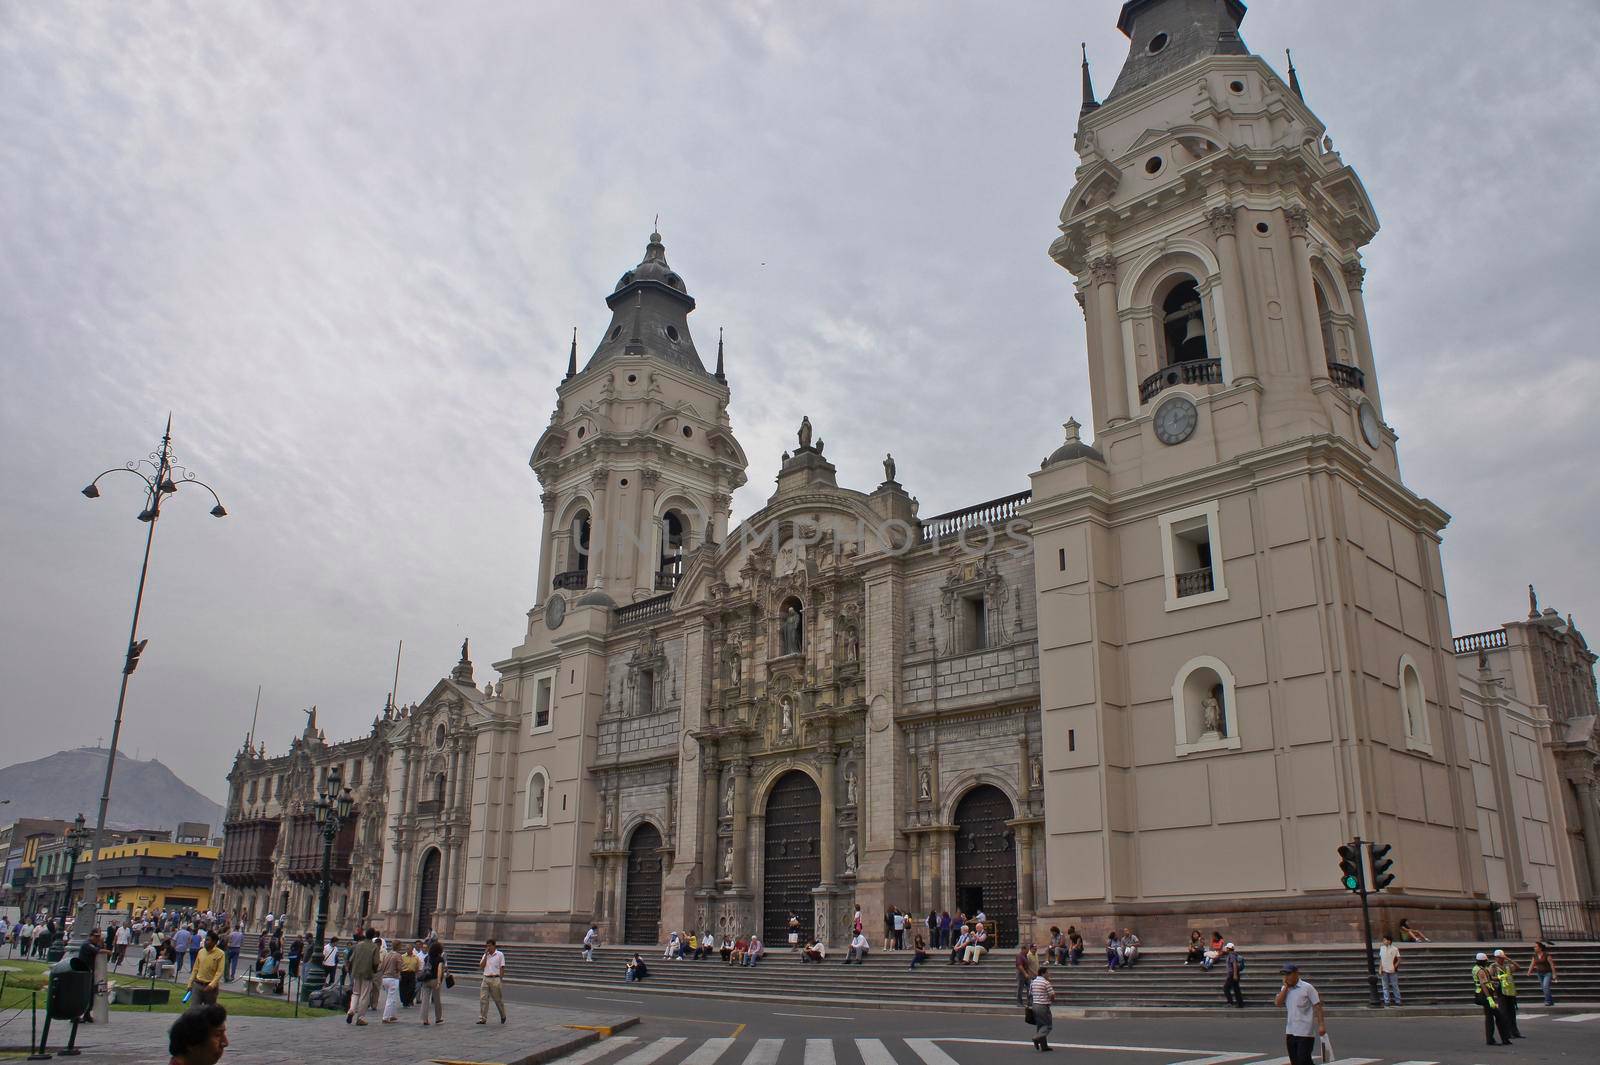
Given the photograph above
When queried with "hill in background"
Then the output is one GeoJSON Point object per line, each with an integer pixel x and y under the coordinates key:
{"type": "Point", "coordinates": [67, 783]}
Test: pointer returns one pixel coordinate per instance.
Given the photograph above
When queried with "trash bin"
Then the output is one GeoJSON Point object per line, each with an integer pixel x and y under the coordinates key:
{"type": "Point", "coordinates": [71, 989]}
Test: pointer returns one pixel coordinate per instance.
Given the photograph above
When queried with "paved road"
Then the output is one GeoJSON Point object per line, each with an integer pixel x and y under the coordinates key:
{"type": "Point", "coordinates": [695, 1031]}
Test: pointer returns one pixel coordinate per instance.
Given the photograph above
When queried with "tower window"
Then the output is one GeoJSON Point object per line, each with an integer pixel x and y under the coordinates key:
{"type": "Point", "coordinates": [580, 542]}
{"type": "Point", "coordinates": [633, 378]}
{"type": "Point", "coordinates": [974, 624]}
{"type": "Point", "coordinates": [1158, 43]}
{"type": "Point", "coordinates": [1184, 323]}
{"type": "Point", "coordinates": [672, 333]}
{"type": "Point", "coordinates": [543, 696]}
{"type": "Point", "coordinates": [1153, 165]}
{"type": "Point", "coordinates": [1263, 228]}
{"type": "Point", "coordinates": [1236, 87]}
{"type": "Point", "coordinates": [1191, 557]}
{"type": "Point", "coordinates": [674, 531]}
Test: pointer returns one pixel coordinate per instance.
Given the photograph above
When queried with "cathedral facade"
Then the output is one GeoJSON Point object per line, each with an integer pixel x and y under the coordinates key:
{"type": "Point", "coordinates": [1157, 686]}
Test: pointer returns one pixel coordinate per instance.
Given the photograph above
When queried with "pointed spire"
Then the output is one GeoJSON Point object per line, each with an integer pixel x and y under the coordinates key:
{"type": "Point", "coordinates": [720, 375]}
{"type": "Point", "coordinates": [1089, 102]}
{"type": "Point", "coordinates": [1294, 77]}
{"type": "Point", "coordinates": [572, 356]}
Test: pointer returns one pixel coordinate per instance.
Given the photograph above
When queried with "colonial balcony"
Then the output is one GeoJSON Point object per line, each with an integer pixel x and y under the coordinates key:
{"type": "Point", "coordinates": [247, 852]}
{"type": "Point", "coordinates": [1196, 582]}
{"type": "Point", "coordinates": [571, 580]}
{"type": "Point", "coordinates": [302, 859]}
{"type": "Point", "coordinates": [1347, 376]}
{"type": "Point", "coordinates": [1189, 372]}
{"type": "Point", "coordinates": [429, 807]}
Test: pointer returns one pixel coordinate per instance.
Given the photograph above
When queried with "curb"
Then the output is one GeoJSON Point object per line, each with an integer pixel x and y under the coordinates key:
{"type": "Point", "coordinates": [581, 1038]}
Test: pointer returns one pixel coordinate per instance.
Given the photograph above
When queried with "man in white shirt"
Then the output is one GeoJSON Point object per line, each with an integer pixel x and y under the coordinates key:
{"type": "Point", "coordinates": [330, 959]}
{"type": "Point", "coordinates": [1389, 971]}
{"type": "Point", "coordinates": [493, 966]}
{"type": "Point", "coordinates": [591, 939]}
{"type": "Point", "coordinates": [1304, 1017]}
{"type": "Point", "coordinates": [858, 949]}
{"type": "Point", "coordinates": [124, 937]}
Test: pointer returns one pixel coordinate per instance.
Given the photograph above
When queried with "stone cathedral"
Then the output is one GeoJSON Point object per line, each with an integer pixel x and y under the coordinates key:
{"type": "Point", "coordinates": [1158, 686]}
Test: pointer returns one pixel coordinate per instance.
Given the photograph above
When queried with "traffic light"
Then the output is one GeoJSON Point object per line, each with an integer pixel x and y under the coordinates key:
{"type": "Point", "coordinates": [1350, 866]}
{"type": "Point", "coordinates": [111, 900]}
{"type": "Point", "coordinates": [134, 651]}
{"type": "Point", "coordinates": [1381, 864]}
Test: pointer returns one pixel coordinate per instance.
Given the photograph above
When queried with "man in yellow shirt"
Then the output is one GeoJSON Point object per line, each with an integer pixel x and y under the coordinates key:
{"type": "Point", "coordinates": [205, 978]}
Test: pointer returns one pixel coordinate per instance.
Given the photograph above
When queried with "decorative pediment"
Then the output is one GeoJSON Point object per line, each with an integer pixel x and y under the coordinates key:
{"type": "Point", "coordinates": [1097, 184]}
{"type": "Point", "coordinates": [1344, 190]}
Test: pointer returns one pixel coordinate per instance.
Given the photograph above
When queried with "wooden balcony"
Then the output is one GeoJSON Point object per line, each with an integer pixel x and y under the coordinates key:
{"type": "Point", "coordinates": [302, 857]}
{"type": "Point", "coordinates": [247, 848]}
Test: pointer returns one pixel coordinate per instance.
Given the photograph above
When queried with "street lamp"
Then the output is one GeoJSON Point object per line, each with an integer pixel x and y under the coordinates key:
{"type": "Point", "coordinates": [75, 837]}
{"type": "Point", "coordinates": [332, 810]}
{"type": "Point", "coordinates": [164, 478]}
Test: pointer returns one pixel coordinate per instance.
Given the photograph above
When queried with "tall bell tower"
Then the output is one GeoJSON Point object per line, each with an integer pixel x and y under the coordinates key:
{"type": "Point", "coordinates": [1249, 660]}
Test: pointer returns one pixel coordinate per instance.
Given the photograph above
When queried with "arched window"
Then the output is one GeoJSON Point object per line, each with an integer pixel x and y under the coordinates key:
{"type": "Point", "coordinates": [1330, 349]}
{"type": "Point", "coordinates": [537, 808]}
{"type": "Point", "coordinates": [1204, 707]}
{"type": "Point", "coordinates": [438, 789]}
{"type": "Point", "coordinates": [674, 537]}
{"type": "Point", "coordinates": [1414, 707]}
{"type": "Point", "coordinates": [578, 553]}
{"type": "Point", "coordinates": [1183, 322]}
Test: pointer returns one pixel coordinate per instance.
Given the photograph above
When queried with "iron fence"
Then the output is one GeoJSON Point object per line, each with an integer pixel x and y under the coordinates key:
{"type": "Point", "coordinates": [1569, 920]}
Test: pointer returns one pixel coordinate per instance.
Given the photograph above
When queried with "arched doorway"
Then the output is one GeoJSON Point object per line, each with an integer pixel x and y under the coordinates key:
{"type": "Point", "coordinates": [792, 859]}
{"type": "Point", "coordinates": [641, 909]}
{"type": "Point", "coordinates": [427, 892]}
{"type": "Point", "coordinates": [986, 861]}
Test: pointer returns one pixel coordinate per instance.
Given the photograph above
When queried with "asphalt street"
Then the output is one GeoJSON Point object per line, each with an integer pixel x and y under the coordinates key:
{"type": "Point", "coordinates": [680, 1030]}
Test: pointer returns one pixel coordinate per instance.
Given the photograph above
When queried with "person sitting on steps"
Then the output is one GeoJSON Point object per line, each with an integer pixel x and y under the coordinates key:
{"type": "Point", "coordinates": [977, 946]}
{"type": "Point", "coordinates": [815, 951]}
{"type": "Point", "coordinates": [959, 947]}
{"type": "Point", "coordinates": [1197, 949]}
{"type": "Point", "coordinates": [919, 953]}
{"type": "Point", "coordinates": [859, 946]}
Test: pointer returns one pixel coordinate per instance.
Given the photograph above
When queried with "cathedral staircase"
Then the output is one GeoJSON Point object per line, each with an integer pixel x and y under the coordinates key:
{"type": "Point", "coordinates": [1432, 975]}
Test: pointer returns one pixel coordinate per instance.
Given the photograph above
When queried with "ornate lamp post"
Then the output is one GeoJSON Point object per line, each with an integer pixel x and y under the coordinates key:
{"type": "Point", "coordinates": [75, 837]}
{"type": "Point", "coordinates": [332, 811]}
{"type": "Point", "coordinates": [161, 477]}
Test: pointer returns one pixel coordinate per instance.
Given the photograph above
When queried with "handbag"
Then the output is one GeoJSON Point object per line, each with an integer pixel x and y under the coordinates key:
{"type": "Point", "coordinates": [449, 979]}
{"type": "Point", "coordinates": [794, 937]}
{"type": "Point", "coordinates": [1327, 1048]}
{"type": "Point", "coordinates": [1027, 1015]}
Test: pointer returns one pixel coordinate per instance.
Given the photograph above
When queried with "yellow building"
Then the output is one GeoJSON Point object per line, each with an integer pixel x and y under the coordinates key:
{"type": "Point", "coordinates": [156, 875]}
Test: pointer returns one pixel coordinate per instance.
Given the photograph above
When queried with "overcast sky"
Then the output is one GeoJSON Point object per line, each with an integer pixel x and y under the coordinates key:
{"type": "Point", "coordinates": [345, 244]}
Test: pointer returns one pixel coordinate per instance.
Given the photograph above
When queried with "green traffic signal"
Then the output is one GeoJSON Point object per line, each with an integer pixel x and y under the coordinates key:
{"type": "Point", "coordinates": [1350, 866]}
{"type": "Point", "coordinates": [1351, 883]}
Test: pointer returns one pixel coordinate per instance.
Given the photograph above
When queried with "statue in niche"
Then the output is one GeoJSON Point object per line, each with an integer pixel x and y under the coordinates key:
{"type": "Point", "coordinates": [1035, 773]}
{"type": "Point", "coordinates": [852, 643]}
{"type": "Point", "coordinates": [805, 432]}
{"type": "Point", "coordinates": [727, 799]}
{"type": "Point", "coordinates": [924, 784]}
{"type": "Point", "coordinates": [850, 855]}
{"type": "Point", "coordinates": [786, 716]}
{"type": "Point", "coordinates": [538, 807]}
{"type": "Point", "coordinates": [888, 468]}
{"type": "Point", "coordinates": [735, 664]}
{"type": "Point", "coordinates": [605, 820]}
{"type": "Point", "coordinates": [850, 785]}
{"type": "Point", "coordinates": [791, 635]}
{"type": "Point", "coordinates": [1211, 722]}
{"type": "Point", "coordinates": [727, 860]}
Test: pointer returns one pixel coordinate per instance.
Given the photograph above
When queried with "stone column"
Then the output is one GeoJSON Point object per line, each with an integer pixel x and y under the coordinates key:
{"type": "Point", "coordinates": [650, 532]}
{"type": "Point", "coordinates": [547, 546]}
{"type": "Point", "coordinates": [1025, 869]}
{"type": "Point", "coordinates": [945, 840]}
{"type": "Point", "coordinates": [1241, 348]}
{"type": "Point", "coordinates": [721, 506]}
{"type": "Point", "coordinates": [444, 876]}
{"type": "Point", "coordinates": [601, 532]}
{"type": "Point", "coordinates": [709, 855]}
{"type": "Point", "coordinates": [1354, 275]}
{"type": "Point", "coordinates": [827, 770]}
{"type": "Point", "coordinates": [1589, 819]}
{"type": "Point", "coordinates": [741, 824]}
{"type": "Point", "coordinates": [1299, 220]}
{"type": "Point", "coordinates": [1113, 372]}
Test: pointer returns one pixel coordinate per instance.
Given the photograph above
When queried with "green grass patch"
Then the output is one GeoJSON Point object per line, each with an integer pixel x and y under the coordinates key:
{"type": "Point", "coordinates": [20, 985]}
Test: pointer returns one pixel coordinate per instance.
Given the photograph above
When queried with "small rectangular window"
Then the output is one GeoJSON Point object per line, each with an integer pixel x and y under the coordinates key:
{"type": "Point", "coordinates": [1061, 558]}
{"type": "Point", "coordinates": [542, 692]}
{"type": "Point", "coordinates": [1191, 557]}
{"type": "Point", "coordinates": [975, 623]}
{"type": "Point", "coordinates": [1072, 739]}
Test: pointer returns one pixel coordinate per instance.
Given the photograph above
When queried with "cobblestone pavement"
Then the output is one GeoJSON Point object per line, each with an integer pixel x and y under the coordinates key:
{"type": "Point", "coordinates": [533, 1034]}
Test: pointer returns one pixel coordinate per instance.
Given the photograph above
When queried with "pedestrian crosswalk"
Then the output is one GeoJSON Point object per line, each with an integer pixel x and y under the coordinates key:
{"type": "Point", "coordinates": [677, 1050]}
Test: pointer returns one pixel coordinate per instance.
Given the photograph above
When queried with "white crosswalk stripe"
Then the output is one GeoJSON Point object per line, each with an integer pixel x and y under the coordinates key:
{"type": "Point", "coordinates": [1580, 1017]}
{"type": "Point", "coordinates": [819, 1052]}
{"type": "Point", "coordinates": [708, 1052]}
{"type": "Point", "coordinates": [765, 1052]}
{"type": "Point", "coordinates": [651, 1052]}
{"type": "Point", "coordinates": [929, 1052]}
{"type": "Point", "coordinates": [873, 1052]}
{"type": "Point", "coordinates": [1416, 1063]}
{"type": "Point", "coordinates": [1353, 1061]}
{"type": "Point", "coordinates": [1216, 1059]}
{"type": "Point", "coordinates": [597, 1049]}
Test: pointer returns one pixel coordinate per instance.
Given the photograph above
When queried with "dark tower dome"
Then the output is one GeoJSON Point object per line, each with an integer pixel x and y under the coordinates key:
{"type": "Point", "coordinates": [649, 315]}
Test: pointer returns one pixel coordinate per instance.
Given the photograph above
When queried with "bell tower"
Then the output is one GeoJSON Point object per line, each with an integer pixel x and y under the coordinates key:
{"type": "Point", "coordinates": [639, 463]}
{"type": "Point", "coordinates": [1250, 652]}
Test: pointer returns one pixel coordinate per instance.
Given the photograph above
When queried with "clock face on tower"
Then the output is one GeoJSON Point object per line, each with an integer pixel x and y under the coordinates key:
{"type": "Point", "coordinates": [1371, 428]}
{"type": "Point", "coordinates": [1175, 420]}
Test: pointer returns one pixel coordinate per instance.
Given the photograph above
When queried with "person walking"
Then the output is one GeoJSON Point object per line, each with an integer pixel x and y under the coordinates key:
{"type": "Point", "coordinates": [389, 981]}
{"type": "Point", "coordinates": [1027, 969]}
{"type": "Point", "coordinates": [1506, 976]}
{"type": "Point", "coordinates": [205, 975]}
{"type": "Point", "coordinates": [1304, 1020]}
{"type": "Point", "coordinates": [330, 960]}
{"type": "Point", "coordinates": [434, 972]}
{"type": "Point", "coordinates": [493, 967]}
{"type": "Point", "coordinates": [197, 940]}
{"type": "Point", "coordinates": [410, 965]}
{"type": "Point", "coordinates": [1041, 993]}
{"type": "Point", "coordinates": [591, 939]}
{"type": "Point", "coordinates": [1233, 975]}
{"type": "Point", "coordinates": [1543, 966]}
{"type": "Point", "coordinates": [1389, 971]}
{"type": "Point", "coordinates": [1486, 994]}
{"type": "Point", "coordinates": [235, 945]}
{"type": "Point", "coordinates": [363, 966]}
{"type": "Point", "coordinates": [180, 944]}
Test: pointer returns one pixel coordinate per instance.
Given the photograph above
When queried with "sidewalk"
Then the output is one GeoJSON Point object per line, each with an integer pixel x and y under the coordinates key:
{"type": "Point", "coordinates": [533, 1034]}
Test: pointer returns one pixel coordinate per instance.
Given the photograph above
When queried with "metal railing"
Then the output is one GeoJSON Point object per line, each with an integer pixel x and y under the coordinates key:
{"type": "Point", "coordinates": [995, 513]}
{"type": "Point", "coordinates": [571, 580]}
{"type": "Point", "coordinates": [652, 609]}
{"type": "Point", "coordinates": [1569, 920]}
{"type": "Point", "coordinates": [1479, 641]}
{"type": "Point", "coordinates": [1348, 376]}
{"type": "Point", "coordinates": [1191, 372]}
{"type": "Point", "coordinates": [1196, 582]}
{"type": "Point", "coordinates": [671, 570]}
{"type": "Point", "coordinates": [1507, 925]}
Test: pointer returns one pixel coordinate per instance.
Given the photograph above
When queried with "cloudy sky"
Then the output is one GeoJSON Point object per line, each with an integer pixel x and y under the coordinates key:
{"type": "Point", "coordinates": [345, 244]}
